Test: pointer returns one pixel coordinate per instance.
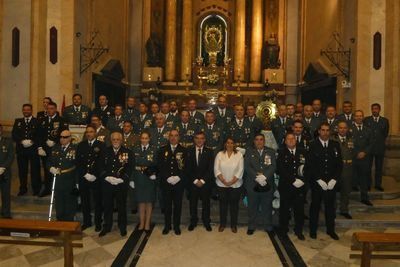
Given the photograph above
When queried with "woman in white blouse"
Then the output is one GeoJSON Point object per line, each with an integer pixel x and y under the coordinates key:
{"type": "Point", "coordinates": [228, 168]}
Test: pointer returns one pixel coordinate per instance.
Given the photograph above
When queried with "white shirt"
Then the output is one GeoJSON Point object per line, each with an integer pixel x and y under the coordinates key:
{"type": "Point", "coordinates": [222, 112]}
{"type": "Point", "coordinates": [324, 143]}
{"type": "Point", "coordinates": [229, 167]}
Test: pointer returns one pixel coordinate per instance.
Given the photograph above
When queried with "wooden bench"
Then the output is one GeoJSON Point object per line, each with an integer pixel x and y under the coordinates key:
{"type": "Point", "coordinates": [387, 242]}
{"type": "Point", "coordinates": [64, 233]}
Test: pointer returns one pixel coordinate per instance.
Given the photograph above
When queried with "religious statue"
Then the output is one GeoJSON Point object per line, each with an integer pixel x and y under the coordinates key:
{"type": "Point", "coordinates": [154, 51]}
{"type": "Point", "coordinates": [271, 53]}
{"type": "Point", "coordinates": [213, 42]}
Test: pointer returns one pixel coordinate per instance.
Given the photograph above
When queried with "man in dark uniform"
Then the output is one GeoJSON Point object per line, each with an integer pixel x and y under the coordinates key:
{"type": "Point", "coordinates": [6, 159]}
{"type": "Point", "coordinates": [362, 138]}
{"type": "Point", "coordinates": [213, 131]}
{"type": "Point", "coordinates": [280, 125]}
{"type": "Point", "coordinates": [292, 189]}
{"type": "Point", "coordinates": [102, 134]}
{"type": "Point", "coordinates": [170, 120]}
{"type": "Point", "coordinates": [159, 132]}
{"type": "Point", "coordinates": [186, 128]}
{"type": "Point", "coordinates": [77, 114]}
{"type": "Point", "coordinates": [331, 119]}
{"type": "Point", "coordinates": [347, 148]}
{"type": "Point", "coordinates": [325, 165]}
{"type": "Point", "coordinates": [311, 124]}
{"type": "Point", "coordinates": [240, 129]}
{"type": "Point", "coordinates": [347, 115]}
{"type": "Point", "coordinates": [195, 116]}
{"type": "Point", "coordinates": [200, 177]}
{"type": "Point", "coordinates": [223, 114]}
{"type": "Point", "coordinates": [317, 110]}
{"type": "Point", "coordinates": [62, 165]}
{"type": "Point", "coordinates": [171, 163]}
{"type": "Point", "coordinates": [24, 134]}
{"type": "Point", "coordinates": [259, 165]}
{"type": "Point", "coordinates": [116, 121]}
{"type": "Point", "coordinates": [255, 122]}
{"type": "Point", "coordinates": [117, 166]}
{"type": "Point", "coordinates": [42, 114]}
{"type": "Point", "coordinates": [104, 111]}
{"type": "Point", "coordinates": [380, 130]}
{"type": "Point", "coordinates": [131, 113]}
{"type": "Point", "coordinates": [302, 137]}
{"type": "Point", "coordinates": [48, 136]}
{"type": "Point", "coordinates": [290, 110]}
{"type": "Point", "coordinates": [173, 105]}
{"type": "Point", "coordinates": [145, 119]}
{"type": "Point", "coordinates": [88, 157]}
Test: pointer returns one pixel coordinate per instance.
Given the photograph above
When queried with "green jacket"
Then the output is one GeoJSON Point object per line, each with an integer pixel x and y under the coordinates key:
{"type": "Point", "coordinates": [6, 155]}
{"type": "Point", "coordinates": [255, 164]}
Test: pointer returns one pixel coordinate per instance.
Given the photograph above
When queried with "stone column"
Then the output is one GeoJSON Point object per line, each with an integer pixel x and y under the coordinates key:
{"type": "Point", "coordinates": [170, 41]}
{"type": "Point", "coordinates": [256, 41]}
{"type": "Point", "coordinates": [240, 31]}
{"type": "Point", "coordinates": [187, 45]}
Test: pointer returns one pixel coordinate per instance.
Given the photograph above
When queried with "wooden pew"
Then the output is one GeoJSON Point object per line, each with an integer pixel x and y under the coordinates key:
{"type": "Point", "coordinates": [387, 242]}
{"type": "Point", "coordinates": [64, 233]}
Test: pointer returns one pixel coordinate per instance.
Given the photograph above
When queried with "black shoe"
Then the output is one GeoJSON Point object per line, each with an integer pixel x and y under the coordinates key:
{"type": "Point", "coordinates": [300, 236]}
{"type": "Point", "coordinates": [134, 211]}
{"type": "Point", "coordinates": [22, 192]}
{"type": "Point", "coordinates": [355, 188]}
{"type": "Point", "coordinates": [122, 232]}
{"type": "Point", "coordinates": [346, 215]}
{"type": "Point", "coordinates": [177, 231]}
{"type": "Point", "coordinates": [250, 232]}
{"type": "Point", "coordinates": [313, 235]}
{"type": "Point", "coordinates": [333, 235]}
{"type": "Point", "coordinates": [191, 227]}
{"type": "Point", "coordinates": [103, 232]}
{"type": "Point", "coordinates": [85, 226]}
{"type": "Point", "coordinates": [379, 188]}
{"type": "Point", "coordinates": [166, 230]}
{"type": "Point", "coordinates": [97, 228]}
{"type": "Point", "coordinates": [208, 227]}
{"type": "Point", "coordinates": [44, 193]}
{"type": "Point", "coordinates": [367, 202]}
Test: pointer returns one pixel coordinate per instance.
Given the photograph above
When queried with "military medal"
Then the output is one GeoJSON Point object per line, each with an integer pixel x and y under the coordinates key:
{"type": "Point", "coordinates": [150, 157]}
{"type": "Point", "coordinates": [4, 149]}
{"type": "Point", "coordinates": [267, 160]}
{"type": "Point", "coordinates": [350, 145]}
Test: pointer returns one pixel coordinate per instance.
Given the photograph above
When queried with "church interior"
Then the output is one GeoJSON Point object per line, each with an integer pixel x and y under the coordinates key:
{"type": "Point", "coordinates": [246, 50]}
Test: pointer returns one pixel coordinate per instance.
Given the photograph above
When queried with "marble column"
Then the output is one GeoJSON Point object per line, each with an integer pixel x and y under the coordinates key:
{"type": "Point", "coordinates": [187, 45]}
{"type": "Point", "coordinates": [240, 32]}
{"type": "Point", "coordinates": [256, 41]}
{"type": "Point", "coordinates": [170, 41]}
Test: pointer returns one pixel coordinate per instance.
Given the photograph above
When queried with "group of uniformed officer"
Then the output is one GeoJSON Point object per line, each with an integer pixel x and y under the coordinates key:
{"type": "Point", "coordinates": [341, 150]}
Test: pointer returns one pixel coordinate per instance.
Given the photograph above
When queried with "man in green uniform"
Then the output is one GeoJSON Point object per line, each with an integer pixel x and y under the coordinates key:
{"type": "Point", "coordinates": [77, 114]}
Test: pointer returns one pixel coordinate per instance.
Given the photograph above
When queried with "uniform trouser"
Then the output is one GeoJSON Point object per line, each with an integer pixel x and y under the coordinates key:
{"type": "Point", "coordinates": [229, 197]}
{"type": "Point", "coordinates": [360, 176]}
{"type": "Point", "coordinates": [345, 187]}
{"type": "Point", "coordinates": [172, 205]}
{"type": "Point", "coordinates": [91, 191]}
{"type": "Point", "coordinates": [66, 203]}
{"type": "Point", "coordinates": [23, 160]}
{"type": "Point", "coordinates": [292, 199]}
{"type": "Point", "coordinates": [329, 199]}
{"type": "Point", "coordinates": [5, 188]}
{"type": "Point", "coordinates": [259, 204]}
{"type": "Point", "coordinates": [203, 193]}
{"type": "Point", "coordinates": [47, 177]}
{"type": "Point", "coordinates": [119, 194]}
{"type": "Point", "coordinates": [378, 169]}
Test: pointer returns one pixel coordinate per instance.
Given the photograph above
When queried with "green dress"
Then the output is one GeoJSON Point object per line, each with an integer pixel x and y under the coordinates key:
{"type": "Point", "coordinates": [145, 166]}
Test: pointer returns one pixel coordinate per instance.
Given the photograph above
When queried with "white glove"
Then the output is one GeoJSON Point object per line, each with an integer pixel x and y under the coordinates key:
{"type": "Point", "coordinates": [119, 180]}
{"type": "Point", "coordinates": [90, 177]}
{"type": "Point", "coordinates": [54, 170]}
{"type": "Point", "coordinates": [170, 179]}
{"type": "Point", "coordinates": [111, 180]}
{"type": "Point", "coordinates": [261, 180]}
{"type": "Point", "coordinates": [132, 184]}
{"type": "Point", "coordinates": [322, 184]}
{"type": "Point", "coordinates": [195, 181]}
{"type": "Point", "coordinates": [50, 143]}
{"type": "Point", "coordinates": [298, 183]}
{"type": "Point", "coordinates": [241, 150]}
{"type": "Point", "coordinates": [152, 177]}
{"type": "Point", "coordinates": [300, 171]}
{"type": "Point", "coordinates": [41, 152]}
{"type": "Point", "coordinates": [331, 184]}
{"type": "Point", "coordinates": [2, 170]}
{"type": "Point", "coordinates": [176, 180]}
{"type": "Point", "coordinates": [26, 143]}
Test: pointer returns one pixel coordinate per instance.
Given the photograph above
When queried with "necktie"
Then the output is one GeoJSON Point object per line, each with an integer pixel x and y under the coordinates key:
{"type": "Point", "coordinates": [141, 117]}
{"type": "Point", "coordinates": [325, 145]}
{"type": "Point", "coordinates": [26, 121]}
{"type": "Point", "coordinates": [343, 139]}
{"type": "Point", "coordinates": [159, 131]}
{"type": "Point", "coordinates": [63, 148]}
{"type": "Point", "coordinates": [184, 127]}
{"type": "Point", "coordinates": [376, 119]}
{"type": "Point", "coordinates": [198, 156]}
{"type": "Point", "coordinates": [298, 139]}
{"type": "Point", "coordinates": [191, 113]}
{"type": "Point", "coordinates": [283, 121]}
{"type": "Point", "coordinates": [240, 123]}
{"type": "Point", "coordinates": [144, 149]}
{"type": "Point", "coordinates": [347, 117]}
{"type": "Point", "coordinates": [292, 152]}
{"type": "Point", "coordinates": [210, 127]}
{"type": "Point", "coordinates": [251, 119]}
{"type": "Point", "coordinates": [90, 144]}
{"type": "Point", "coordinates": [173, 149]}
{"type": "Point", "coordinates": [260, 152]}
{"type": "Point", "coordinates": [359, 128]}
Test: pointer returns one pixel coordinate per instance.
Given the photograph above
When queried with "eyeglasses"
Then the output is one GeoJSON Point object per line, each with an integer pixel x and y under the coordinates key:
{"type": "Point", "coordinates": [65, 136]}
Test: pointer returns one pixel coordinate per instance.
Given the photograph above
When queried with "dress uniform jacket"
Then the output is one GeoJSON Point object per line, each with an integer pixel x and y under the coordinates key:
{"type": "Point", "coordinates": [214, 136]}
{"type": "Point", "coordinates": [103, 114]}
{"type": "Point", "coordinates": [171, 120]}
{"type": "Point", "coordinates": [66, 200]}
{"type": "Point", "coordinates": [311, 125]}
{"type": "Point", "coordinates": [333, 125]}
{"type": "Point", "coordinates": [89, 161]}
{"type": "Point", "coordinates": [159, 139]}
{"type": "Point", "coordinates": [77, 115]}
{"type": "Point", "coordinates": [343, 117]}
{"type": "Point", "coordinates": [379, 133]}
{"type": "Point", "coordinates": [255, 164]}
{"type": "Point", "coordinates": [256, 124]}
{"type": "Point", "coordinates": [279, 129]}
{"type": "Point", "coordinates": [27, 131]}
{"type": "Point", "coordinates": [186, 135]}
{"type": "Point", "coordinates": [103, 135]}
{"type": "Point", "coordinates": [119, 165]}
{"type": "Point", "coordinates": [115, 124]}
{"type": "Point", "coordinates": [6, 159]}
{"type": "Point", "coordinates": [229, 115]}
{"type": "Point", "coordinates": [145, 122]}
{"type": "Point", "coordinates": [172, 164]}
{"type": "Point", "coordinates": [131, 114]}
{"type": "Point", "coordinates": [145, 166]}
{"type": "Point", "coordinates": [242, 135]}
{"type": "Point", "coordinates": [303, 142]}
{"type": "Point", "coordinates": [130, 140]}
{"type": "Point", "coordinates": [50, 130]}
{"type": "Point", "coordinates": [197, 118]}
